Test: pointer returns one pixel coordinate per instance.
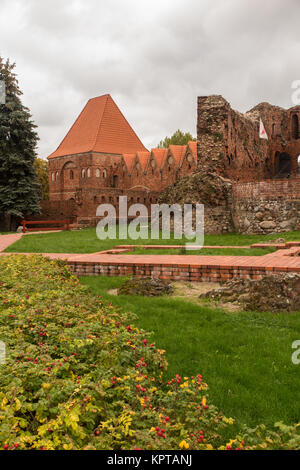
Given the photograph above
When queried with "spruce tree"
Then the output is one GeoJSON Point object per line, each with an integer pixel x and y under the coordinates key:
{"type": "Point", "coordinates": [19, 189]}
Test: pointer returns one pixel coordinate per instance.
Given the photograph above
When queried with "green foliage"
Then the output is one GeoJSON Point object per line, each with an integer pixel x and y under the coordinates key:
{"type": "Point", "coordinates": [80, 375]}
{"type": "Point", "coordinates": [19, 190]}
{"type": "Point", "coordinates": [226, 346]}
{"type": "Point", "coordinates": [178, 138]}
{"type": "Point", "coordinates": [41, 167]}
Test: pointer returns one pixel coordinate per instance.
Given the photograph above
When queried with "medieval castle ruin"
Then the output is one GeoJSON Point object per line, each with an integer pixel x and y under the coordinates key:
{"type": "Point", "coordinates": [101, 158]}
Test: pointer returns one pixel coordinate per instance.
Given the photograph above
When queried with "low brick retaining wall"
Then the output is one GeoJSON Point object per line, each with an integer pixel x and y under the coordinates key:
{"type": "Point", "coordinates": [202, 273]}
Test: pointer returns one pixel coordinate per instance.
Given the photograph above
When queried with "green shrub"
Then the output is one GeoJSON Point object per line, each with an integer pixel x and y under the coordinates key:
{"type": "Point", "coordinates": [79, 375]}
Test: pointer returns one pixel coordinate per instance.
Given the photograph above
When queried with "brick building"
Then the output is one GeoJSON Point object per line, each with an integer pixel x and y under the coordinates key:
{"type": "Point", "coordinates": [101, 158]}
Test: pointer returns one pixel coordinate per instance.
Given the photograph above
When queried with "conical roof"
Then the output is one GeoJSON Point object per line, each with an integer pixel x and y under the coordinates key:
{"type": "Point", "coordinates": [100, 127]}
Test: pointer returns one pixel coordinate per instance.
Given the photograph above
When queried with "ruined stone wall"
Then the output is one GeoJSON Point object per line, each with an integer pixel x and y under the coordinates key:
{"type": "Point", "coordinates": [229, 142]}
{"type": "Point", "coordinates": [267, 206]}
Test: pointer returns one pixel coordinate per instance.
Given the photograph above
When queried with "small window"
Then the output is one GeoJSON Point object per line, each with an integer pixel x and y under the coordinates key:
{"type": "Point", "coordinates": [295, 126]}
{"type": "Point", "coordinates": [56, 176]}
{"type": "Point", "coordinates": [88, 172]}
{"type": "Point", "coordinates": [83, 173]}
{"type": "Point", "coordinates": [71, 174]}
{"type": "Point", "coordinates": [104, 174]}
{"type": "Point", "coordinates": [53, 176]}
{"type": "Point", "coordinates": [97, 173]}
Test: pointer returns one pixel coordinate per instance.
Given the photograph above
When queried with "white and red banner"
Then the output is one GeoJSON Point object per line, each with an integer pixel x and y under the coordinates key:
{"type": "Point", "coordinates": [262, 130]}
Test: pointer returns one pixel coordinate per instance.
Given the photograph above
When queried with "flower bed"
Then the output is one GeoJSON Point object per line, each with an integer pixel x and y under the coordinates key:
{"type": "Point", "coordinates": [79, 375]}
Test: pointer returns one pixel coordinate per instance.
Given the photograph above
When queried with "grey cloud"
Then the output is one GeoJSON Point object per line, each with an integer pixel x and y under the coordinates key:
{"type": "Point", "coordinates": [153, 57]}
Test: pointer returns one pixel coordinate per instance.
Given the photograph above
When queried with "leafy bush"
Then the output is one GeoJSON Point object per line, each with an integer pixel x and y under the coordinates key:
{"type": "Point", "coordinates": [79, 375]}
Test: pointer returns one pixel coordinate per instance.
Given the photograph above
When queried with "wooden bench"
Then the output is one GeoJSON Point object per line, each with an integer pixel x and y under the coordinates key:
{"type": "Point", "coordinates": [65, 223]}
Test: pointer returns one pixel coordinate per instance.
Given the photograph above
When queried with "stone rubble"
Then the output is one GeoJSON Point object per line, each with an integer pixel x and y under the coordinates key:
{"type": "Point", "coordinates": [273, 293]}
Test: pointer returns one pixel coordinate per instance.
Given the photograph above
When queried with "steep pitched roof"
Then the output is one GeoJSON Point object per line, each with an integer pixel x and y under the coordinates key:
{"type": "Point", "coordinates": [129, 159]}
{"type": "Point", "coordinates": [159, 154]}
{"type": "Point", "coordinates": [178, 152]}
{"type": "Point", "coordinates": [100, 127]}
{"type": "Point", "coordinates": [143, 157]}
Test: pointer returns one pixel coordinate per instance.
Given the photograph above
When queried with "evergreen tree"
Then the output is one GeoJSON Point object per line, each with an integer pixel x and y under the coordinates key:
{"type": "Point", "coordinates": [19, 188]}
{"type": "Point", "coordinates": [178, 138]}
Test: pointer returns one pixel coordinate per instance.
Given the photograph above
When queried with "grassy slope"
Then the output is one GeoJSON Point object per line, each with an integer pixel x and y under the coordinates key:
{"type": "Point", "coordinates": [86, 241]}
{"type": "Point", "coordinates": [245, 357]}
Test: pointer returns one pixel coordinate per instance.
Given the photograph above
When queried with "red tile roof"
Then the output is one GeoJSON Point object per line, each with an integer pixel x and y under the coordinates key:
{"type": "Point", "coordinates": [143, 157]}
{"type": "Point", "coordinates": [159, 155]}
{"type": "Point", "coordinates": [129, 160]}
{"type": "Point", "coordinates": [178, 152]}
{"type": "Point", "coordinates": [100, 127]}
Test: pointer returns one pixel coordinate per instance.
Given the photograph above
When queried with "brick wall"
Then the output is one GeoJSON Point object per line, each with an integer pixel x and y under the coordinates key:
{"type": "Point", "coordinates": [228, 141]}
{"type": "Point", "coordinates": [267, 206]}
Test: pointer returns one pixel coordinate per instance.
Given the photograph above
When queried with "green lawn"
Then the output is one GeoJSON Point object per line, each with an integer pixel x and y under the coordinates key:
{"type": "Point", "coordinates": [86, 241]}
{"type": "Point", "coordinates": [203, 251]}
{"type": "Point", "coordinates": [244, 357]}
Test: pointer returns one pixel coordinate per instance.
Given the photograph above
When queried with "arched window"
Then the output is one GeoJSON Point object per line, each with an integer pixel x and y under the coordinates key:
{"type": "Point", "coordinates": [298, 161]}
{"type": "Point", "coordinates": [295, 126]}
{"type": "Point", "coordinates": [104, 173]}
{"type": "Point", "coordinates": [97, 173]}
{"type": "Point", "coordinates": [88, 172]}
{"type": "Point", "coordinates": [83, 173]}
{"type": "Point", "coordinates": [56, 176]}
{"type": "Point", "coordinates": [53, 176]}
{"type": "Point", "coordinates": [71, 174]}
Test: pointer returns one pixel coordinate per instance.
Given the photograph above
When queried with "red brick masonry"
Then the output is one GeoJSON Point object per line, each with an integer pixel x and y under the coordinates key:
{"type": "Point", "coordinates": [181, 267]}
{"type": "Point", "coordinates": [186, 267]}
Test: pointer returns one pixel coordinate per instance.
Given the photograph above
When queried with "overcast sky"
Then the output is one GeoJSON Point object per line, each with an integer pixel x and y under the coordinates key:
{"type": "Point", "coordinates": [153, 57]}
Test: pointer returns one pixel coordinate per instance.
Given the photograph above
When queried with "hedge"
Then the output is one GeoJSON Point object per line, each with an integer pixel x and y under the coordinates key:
{"type": "Point", "coordinates": [79, 375]}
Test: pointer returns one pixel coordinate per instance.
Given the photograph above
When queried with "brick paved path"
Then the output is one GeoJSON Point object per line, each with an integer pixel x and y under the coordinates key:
{"type": "Point", "coordinates": [177, 267]}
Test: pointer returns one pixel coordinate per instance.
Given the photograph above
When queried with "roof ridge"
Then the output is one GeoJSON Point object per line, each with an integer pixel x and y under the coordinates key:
{"type": "Point", "coordinates": [101, 120]}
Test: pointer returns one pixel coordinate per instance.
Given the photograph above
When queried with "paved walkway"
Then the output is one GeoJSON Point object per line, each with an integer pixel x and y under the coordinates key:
{"type": "Point", "coordinates": [177, 267]}
{"type": "Point", "coordinates": [7, 240]}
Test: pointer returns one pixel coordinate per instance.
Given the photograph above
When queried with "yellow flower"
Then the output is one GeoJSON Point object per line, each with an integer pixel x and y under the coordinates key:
{"type": "Point", "coordinates": [185, 384]}
{"type": "Point", "coordinates": [46, 386]}
{"type": "Point", "coordinates": [203, 401]}
{"type": "Point", "coordinates": [184, 445]}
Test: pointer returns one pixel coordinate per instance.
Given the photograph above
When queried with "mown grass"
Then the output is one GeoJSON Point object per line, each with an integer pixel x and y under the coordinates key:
{"type": "Point", "coordinates": [245, 357]}
{"type": "Point", "coordinates": [203, 251]}
{"type": "Point", "coordinates": [86, 241]}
